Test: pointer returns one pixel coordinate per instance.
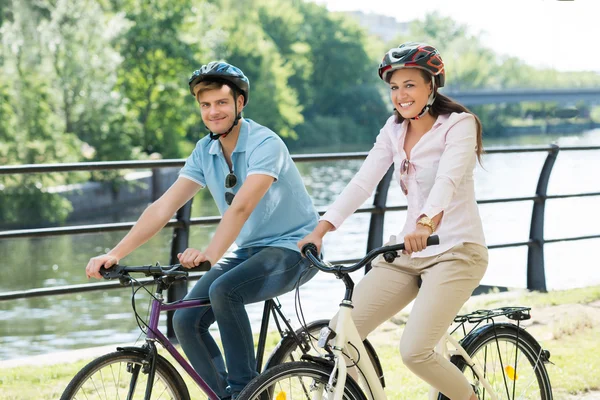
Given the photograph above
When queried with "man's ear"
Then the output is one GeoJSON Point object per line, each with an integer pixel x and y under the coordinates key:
{"type": "Point", "coordinates": [240, 103]}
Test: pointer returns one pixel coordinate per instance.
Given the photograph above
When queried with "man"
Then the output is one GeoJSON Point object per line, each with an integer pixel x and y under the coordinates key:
{"type": "Point", "coordinates": [266, 210]}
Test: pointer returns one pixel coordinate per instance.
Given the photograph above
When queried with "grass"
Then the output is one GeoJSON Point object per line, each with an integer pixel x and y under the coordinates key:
{"type": "Point", "coordinates": [572, 341]}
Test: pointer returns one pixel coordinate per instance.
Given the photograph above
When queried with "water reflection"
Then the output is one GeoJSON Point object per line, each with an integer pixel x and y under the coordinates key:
{"type": "Point", "coordinates": [42, 325]}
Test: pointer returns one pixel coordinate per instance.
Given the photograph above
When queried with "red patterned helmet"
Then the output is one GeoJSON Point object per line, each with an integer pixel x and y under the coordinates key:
{"type": "Point", "coordinates": [414, 55]}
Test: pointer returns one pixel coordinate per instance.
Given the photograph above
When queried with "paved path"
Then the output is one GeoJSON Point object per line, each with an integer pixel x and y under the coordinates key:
{"type": "Point", "coordinates": [61, 357]}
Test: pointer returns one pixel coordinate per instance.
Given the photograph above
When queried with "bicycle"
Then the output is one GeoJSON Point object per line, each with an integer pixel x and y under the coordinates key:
{"type": "Point", "coordinates": [494, 356]}
{"type": "Point", "coordinates": [141, 373]}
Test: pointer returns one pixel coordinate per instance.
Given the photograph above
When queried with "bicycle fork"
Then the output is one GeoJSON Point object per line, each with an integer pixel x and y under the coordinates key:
{"type": "Point", "coordinates": [148, 367]}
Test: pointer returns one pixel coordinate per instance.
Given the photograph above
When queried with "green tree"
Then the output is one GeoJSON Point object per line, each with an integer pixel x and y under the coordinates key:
{"type": "Point", "coordinates": [273, 102]}
{"type": "Point", "coordinates": [31, 131]}
{"type": "Point", "coordinates": [84, 76]}
{"type": "Point", "coordinates": [156, 64]}
{"type": "Point", "coordinates": [342, 81]}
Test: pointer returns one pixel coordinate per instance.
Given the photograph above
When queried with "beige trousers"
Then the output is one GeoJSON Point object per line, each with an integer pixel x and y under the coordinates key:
{"type": "Point", "coordinates": [448, 280]}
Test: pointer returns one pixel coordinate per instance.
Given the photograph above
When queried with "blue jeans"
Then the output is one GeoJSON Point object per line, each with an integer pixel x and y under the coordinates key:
{"type": "Point", "coordinates": [250, 275]}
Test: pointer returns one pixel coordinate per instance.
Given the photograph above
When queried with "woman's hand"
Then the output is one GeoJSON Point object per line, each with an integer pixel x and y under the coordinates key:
{"type": "Point", "coordinates": [191, 258]}
{"type": "Point", "coordinates": [316, 236]}
{"type": "Point", "coordinates": [313, 238]}
{"type": "Point", "coordinates": [417, 239]}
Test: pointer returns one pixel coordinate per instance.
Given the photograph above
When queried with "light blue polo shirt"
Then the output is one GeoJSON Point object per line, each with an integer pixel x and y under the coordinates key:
{"type": "Point", "coordinates": [285, 214]}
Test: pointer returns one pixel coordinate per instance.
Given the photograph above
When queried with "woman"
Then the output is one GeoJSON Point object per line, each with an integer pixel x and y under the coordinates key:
{"type": "Point", "coordinates": [434, 144]}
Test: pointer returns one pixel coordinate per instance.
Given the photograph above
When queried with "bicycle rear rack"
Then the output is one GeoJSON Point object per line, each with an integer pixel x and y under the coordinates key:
{"type": "Point", "coordinates": [513, 313]}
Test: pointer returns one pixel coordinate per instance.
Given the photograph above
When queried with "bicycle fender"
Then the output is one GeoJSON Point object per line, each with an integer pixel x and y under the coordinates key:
{"type": "Point", "coordinates": [375, 358]}
{"type": "Point", "coordinates": [133, 349]}
{"type": "Point", "coordinates": [318, 360]}
{"type": "Point", "coordinates": [160, 360]}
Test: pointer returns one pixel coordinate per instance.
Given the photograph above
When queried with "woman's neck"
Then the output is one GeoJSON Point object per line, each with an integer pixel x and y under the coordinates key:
{"type": "Point", "coordinates": [422, 125]}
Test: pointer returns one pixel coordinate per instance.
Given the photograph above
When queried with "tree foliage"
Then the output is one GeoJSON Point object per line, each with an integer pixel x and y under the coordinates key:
{"type": "Point", "coordinates": [107, 80]}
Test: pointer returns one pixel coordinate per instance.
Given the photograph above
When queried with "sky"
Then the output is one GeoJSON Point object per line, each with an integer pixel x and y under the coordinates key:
{"type": "Point", "coordinates": [560, 34]}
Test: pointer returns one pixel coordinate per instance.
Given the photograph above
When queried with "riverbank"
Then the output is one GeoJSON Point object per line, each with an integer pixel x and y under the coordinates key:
{"type": "Point", "coordinates": [565, 322]}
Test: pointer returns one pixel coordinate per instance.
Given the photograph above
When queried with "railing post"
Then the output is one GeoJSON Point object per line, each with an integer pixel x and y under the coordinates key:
{"type": "Point", "coordinates": [155, 184]}
{"type": "Point", "coordinates": [375, 238]}
{"type": "Point", "coordinates": [180, 242]}
{"type": "Point", "coordinates": [536, 274]}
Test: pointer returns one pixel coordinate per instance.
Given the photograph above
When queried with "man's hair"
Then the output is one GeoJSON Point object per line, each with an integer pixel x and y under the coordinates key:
{"type": "Point", "coordinates": [205, 86]}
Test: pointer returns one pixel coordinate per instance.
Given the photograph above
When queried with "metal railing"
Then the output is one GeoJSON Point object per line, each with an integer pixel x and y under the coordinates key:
{"type": "Point", "coordinates": [183, 221]}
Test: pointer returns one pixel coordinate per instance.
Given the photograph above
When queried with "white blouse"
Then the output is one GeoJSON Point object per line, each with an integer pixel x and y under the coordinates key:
{"type": "Point", "coordinates": [440, 178]}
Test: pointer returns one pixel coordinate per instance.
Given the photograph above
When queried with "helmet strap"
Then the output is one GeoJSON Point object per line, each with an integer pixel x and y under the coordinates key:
{"type": "Point", "coordinates": [238, 116]}
{"type": "Point", "coordinates": [430, 101]}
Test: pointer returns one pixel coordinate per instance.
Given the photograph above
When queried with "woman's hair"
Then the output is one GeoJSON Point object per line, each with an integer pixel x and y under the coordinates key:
{"type": "Point", "coordinates": [445, 105]}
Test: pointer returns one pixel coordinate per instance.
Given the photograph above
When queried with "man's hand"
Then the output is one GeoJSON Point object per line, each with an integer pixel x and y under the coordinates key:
{"type": "Point", "coordinates": [417, 239]}
{"type": "Point", "coordinates": [191, 258]}
{"type": "Point", "coordinates": [95, 263]}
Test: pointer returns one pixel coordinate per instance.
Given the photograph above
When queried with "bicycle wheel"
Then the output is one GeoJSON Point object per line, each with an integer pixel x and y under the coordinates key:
{"type": "Point", "coordinates": [124, 375]}
{"type": "Point", "coordinates": [288, 350]}
{"type": "Point", "coordinates": [512, 362]}
{"type": "Point", "coordinates": [296, 380]}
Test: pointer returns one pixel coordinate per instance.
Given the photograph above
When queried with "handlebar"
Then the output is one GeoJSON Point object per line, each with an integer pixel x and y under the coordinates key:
{"type": "Point", "coordinates": [156, 271]}
{"type": "Point", "coordinates": [309, 250]}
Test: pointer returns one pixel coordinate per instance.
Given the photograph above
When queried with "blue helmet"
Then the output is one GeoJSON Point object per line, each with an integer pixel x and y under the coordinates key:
{"type": "Point", "coordinates": [221, 71]}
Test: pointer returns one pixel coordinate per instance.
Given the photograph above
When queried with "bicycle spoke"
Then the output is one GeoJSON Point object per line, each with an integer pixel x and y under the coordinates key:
{"type": "Point", "coordinates": [120, 376]}
{"type": "Point", "coordinates": [297, 381]}
{"type": "Point", "coordinates": [511, 372]}
{"type": "Point", "coordinates": [118, 380]}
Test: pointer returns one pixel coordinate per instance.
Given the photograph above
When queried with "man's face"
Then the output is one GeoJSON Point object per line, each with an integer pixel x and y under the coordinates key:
{"type": "Point", "coordinates": [218, 108]}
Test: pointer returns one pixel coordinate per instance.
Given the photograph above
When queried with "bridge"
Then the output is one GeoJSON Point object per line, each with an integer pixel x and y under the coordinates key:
{"type": "Point", "coordinates": [562, 96]}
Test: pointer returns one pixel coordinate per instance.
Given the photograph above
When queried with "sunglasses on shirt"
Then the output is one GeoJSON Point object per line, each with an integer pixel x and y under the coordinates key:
{"type": "Point", "coordinates": [230, 182]}
{"type": "Point", "coordinates": [403, 175]}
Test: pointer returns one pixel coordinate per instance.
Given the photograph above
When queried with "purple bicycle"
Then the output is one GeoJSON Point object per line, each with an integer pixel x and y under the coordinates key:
{"type": "Point", "coordinates": [141, 373]}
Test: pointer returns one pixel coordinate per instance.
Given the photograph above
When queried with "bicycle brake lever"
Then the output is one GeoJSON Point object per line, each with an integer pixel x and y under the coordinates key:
{"type": "Point", "coordinates": [390, 256]}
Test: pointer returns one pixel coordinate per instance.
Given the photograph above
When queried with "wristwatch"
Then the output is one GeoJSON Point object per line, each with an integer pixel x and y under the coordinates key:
{"type": "Point", "coordinates": [426, 221]}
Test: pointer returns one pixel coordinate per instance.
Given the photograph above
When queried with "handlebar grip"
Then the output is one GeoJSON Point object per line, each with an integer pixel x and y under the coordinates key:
{"type": "Point", "coordinates": [433, 240]}
{"type": "Point", "coordinates": [204, 266]}
{"type": "Point", "coordinates": [113, 272]}
{"type": "Point", "coordinates": [311, 247]}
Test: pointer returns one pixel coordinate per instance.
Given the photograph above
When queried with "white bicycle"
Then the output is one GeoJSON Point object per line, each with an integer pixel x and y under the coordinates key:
{"type": "Point", "coordinates": [501, 360]}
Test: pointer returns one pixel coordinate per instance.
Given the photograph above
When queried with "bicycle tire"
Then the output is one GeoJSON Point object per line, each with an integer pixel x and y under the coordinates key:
{"type": "Point", "coordinates": [287, 381]}
{"type": "Point", "coordinates": [90, 382]}
{"type": "Point", "coordinates": [287, 349]}
{"type": "Point", "coordinates": [505, 342]}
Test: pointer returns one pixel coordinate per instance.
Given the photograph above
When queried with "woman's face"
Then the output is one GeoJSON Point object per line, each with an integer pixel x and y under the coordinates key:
{"type": "Point", "coordinates": [409, 91]}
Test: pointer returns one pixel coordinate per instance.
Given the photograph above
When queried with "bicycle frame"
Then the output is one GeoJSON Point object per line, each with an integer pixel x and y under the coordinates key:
{"type": "Point", "coordinates": [347, 337]}
{"type": "Point", "coordinates": [347, 333]}
{"type": "Point", "coordinates": [154, 334]}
